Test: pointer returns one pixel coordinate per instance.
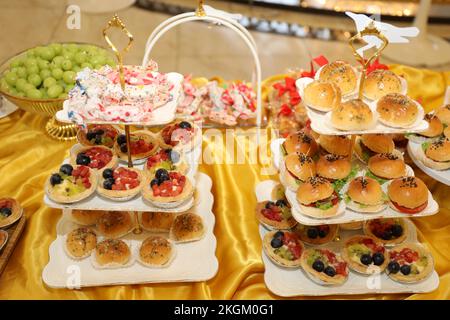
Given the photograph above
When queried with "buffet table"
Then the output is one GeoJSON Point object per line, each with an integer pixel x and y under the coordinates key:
{"type": "Point", "coordinates": [27, 156]}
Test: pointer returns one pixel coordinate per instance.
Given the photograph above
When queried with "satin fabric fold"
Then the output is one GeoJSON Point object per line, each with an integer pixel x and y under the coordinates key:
{"type": "Point", "coordinates": [28, 156]}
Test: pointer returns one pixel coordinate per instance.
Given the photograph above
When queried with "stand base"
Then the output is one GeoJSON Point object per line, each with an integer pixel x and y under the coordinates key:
{"type": "Point", "coordinates": [429, 51]}
{"type": "Point", "coordinates": [61, 131]}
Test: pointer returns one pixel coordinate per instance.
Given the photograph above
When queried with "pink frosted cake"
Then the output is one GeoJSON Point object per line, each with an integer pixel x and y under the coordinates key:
{"type": "Point", "coordinates": [98, 96]}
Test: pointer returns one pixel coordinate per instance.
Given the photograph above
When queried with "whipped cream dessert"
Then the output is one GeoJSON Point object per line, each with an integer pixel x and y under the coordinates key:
{"type": "Point", "coordinates": [98, 96]}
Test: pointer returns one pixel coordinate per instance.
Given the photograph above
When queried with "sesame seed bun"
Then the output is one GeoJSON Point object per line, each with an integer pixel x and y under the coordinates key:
{"type": "Point", "coordinates": [352, 115]}
{"type": "Point", "coordinates": [437, 155]}
{"type": "Point", "coordinates": [314, 189]}
{"type": "Point", "coordinates": [339, 145]}
{"type": "Point", "coordinates": [397, 110]}
{"type": "Point", "coordinates": [365, 191]}
{"type": "Point", "coordinates": [322, 96]}
{"type": "Point", "coordinates": [341, 74]}
{"type": "Point", "coordinates": [381, 82]}
{"type": "Point", "coordinates": [300, 142]}
{"type": "Point", "coordinates": [409, 192]}
{"type": "Point", "coordinates": [443, 114]}
{"type": "Point", "coordinates": [435, 126]}
{"type": "Point", "coordinates": [332, 166]}
{"type": "Point", "coordinates": [297, 169]}
{"type": "Point", "coordinates": [387, 166]}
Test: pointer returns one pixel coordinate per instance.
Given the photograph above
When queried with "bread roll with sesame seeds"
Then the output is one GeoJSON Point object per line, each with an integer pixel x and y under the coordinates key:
{"type": "Point", "coordinates": [397, 110]}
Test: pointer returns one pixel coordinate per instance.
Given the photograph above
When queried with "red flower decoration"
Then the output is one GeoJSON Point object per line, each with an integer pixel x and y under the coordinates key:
{"type": "Point", "coordinates": [376, 65]}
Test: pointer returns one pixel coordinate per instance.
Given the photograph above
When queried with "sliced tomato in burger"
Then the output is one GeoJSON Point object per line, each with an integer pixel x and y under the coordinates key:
{"type": "Point", "coordinates": [410, 210]}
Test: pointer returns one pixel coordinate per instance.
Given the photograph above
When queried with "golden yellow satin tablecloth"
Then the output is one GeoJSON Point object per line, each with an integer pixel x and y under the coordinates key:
{"type": "Point", "coordinates": [27, 157]}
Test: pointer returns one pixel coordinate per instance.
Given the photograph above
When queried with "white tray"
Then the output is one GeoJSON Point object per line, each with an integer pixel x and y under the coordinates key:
{"type": "Point", "coordinates": [96, 202]}
{"type": "Point", "coordinates": [294, 282]}
{"type": "Point", "coordinates": [162, 115]}
{"type": "Point", "coordinates": [194, 261]}
{"type": "Point", "coordinates": [6, 107]}
{"type": "Point", "coordinates": [414, 150]}
{"type": "Point", "coordinates": [347, 215]}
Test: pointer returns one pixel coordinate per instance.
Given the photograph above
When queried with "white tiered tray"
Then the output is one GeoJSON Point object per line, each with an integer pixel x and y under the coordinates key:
{"type": "Point", "coordinates": [194, 261]}
{"type": "Point", "coordinates": [416, 154]}
{"type": "Point", "coordinates": [96, 202]}
{"type": "Point", "coordinates": [294, 282]}
{"type": "Point", "coordinates": [161, 115]}
{"type": "Point", "coordinates": [6, 107]}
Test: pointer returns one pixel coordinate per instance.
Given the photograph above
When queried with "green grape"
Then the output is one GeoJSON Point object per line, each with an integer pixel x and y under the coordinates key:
{"type": "Point", "coordinates": [43, 64]}
{"type": "Point", "coordinates": [68, 55]}
{"type": "Point", "coordinates": [81, 57]}
{"type": "Point", "coordinates": [54, 91]}
{"type": "Point", "coordinates": [35, 80]}
{"type": "Point", "coordinates": [57, 48]}
{"type": "Point", "coordinates": [32, 70]}
{"type": "Point", "coordinates": [20, 83]}
{"type": "Point", "coordinates": [57, 61]}
{"type": "Point", "coordinates": [49, 82]}
{"type": "Point", "coordinates": [4, 86]}
{"type": "Point", "coordinates": [45, 74]}
{"type": "Point", "coordinates": [62, 96]}
{"type": "Point", "coordinates": [21, 72]}
{"type": "Point", "coordinates": [57, 73]}
{"type": "Point", "coordinates": [72, 47]}
{"type": "Point", "coordinates": [69, 77]}
{"type": "Point", "coordinates": [86, 65]}
{"type": "Point", "coordinates": [14, 69]}
{"type": "Point", "coordinates": [29, 62]}
{"type": "Point", "coordinates": [34, 94]}
{"type": "Point", "coordinates": [13, 91]}
{"type": "Point", "coordinates": [15, 63]}
{"type": "Point", "coordinates": [27, 87]}
{"type": "Point", "coordinates": [68, 88]}
{"type": "Point", "coordinates": [111, 62]}
{"type": "Point", "coordinates": [20, 94]}
{"type": "Point", "coordinates": [30, 53]}
{"type": "Point", "coordinates": [97, 60]}
{"type": "Point", "coordinates": [76, 69]}
{"type": "Point", "coordinates": [66, 65]}
{"type": "Point", "coordinates": [11, 78]}
{"type": "Point", "coordinates": [98, 66]}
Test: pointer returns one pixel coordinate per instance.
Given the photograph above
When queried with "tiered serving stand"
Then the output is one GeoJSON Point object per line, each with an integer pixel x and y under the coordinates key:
{"type": "Point", "coordinates": [294, 282]}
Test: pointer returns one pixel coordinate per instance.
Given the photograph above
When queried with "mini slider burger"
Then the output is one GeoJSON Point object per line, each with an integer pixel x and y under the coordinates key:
{"type": "Point", "coordinates": [368, 145]}
{"type": "Point", "coordinates": [297, 169]}
{"type": "Point", "coordinates": [386, 166]}
{"type": "Point", "coordinates": [437, 154]}
{"type": "Point", "coordinates": [299, 142]}
{"type": "Point", "coordinates": [317, 198]}
{"type": "Point", "coordinates": [408, 195]}
{"type": "Point", "coordinates": [435, 129]}
{"type": "Point", "coordinates": [339, 145]}
{"type": "Point", "coordinates": [365, 195]}
{"type": "Point", "coordinates": [336, 169]}
{"type": "Point", "coordinates": [443, 113]}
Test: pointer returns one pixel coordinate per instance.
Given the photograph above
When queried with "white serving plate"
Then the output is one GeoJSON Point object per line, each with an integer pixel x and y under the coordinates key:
{"type": "Point", "coordinates": [6, 107]}
{"type": "Point", "coordinates": [347, 215]}
{"type": "Point", "coordinates": [294, 282]}
{"type": "Point", "coordinates": [96, 202]}
{"type": "Point", "coordinates": [415, 152]}
{"type": "Point", "coordinates": [162, 115]}
{"type": "Point", "coordinates": [194, 261]}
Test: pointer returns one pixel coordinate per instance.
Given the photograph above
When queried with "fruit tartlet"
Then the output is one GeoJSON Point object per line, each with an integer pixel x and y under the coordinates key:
{"type": "Point", "coordinates": [120, 184]}
{"type": "Point", "coordinates": [316, 235]}
{"type": "Point", "coordinates": [167, 189]}
{"type": "Point", "coordinates": [168, 159]}
{"type": "Point", "coordinates": [98, 157]}
{"type": "Point", "coordinates": [324, 266]}
{"type": "Point", "coordinates": [365, 255]}
{"type": "Point", "coordinates": [10, 211]}
{"type": "Point", "coordinates": [181, 135]}
{"type": "Point", "coordinates": [283, 248]}
{"type": "Point", "coordinates": [156, 252]}
{"type": "Point", "coordinates": [409, 263]}
{"type": "Point", "coordinates": [71, 184]}
{"type": "Point", "coordinates": [143, 144]}
{"type": "Point", "coordinates": [275, 215]}
{"type": "Point", "coordinates": [80, 243]}
{"type": "Point", "coordinates": [389, 231]}
{"type": "Point", "coordinates": [98, 135]}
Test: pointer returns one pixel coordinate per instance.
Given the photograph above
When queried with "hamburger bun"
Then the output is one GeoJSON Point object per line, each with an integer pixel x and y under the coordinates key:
{"type": "Point", "coordinates": [387, 166]}
{"type": "Point", "coordinates": [381, 82]}
{"type": "Point", "coordinates": [340, 73]}
{"type": "Point", "coordinates": [313, 190]}
{"type": "Point", "coordinates": [352, 115]}
{"type": "Point", "coordinates": [187, 227]}
{"type": "Point", "coordinates": [397, 110]}
{"type": "Point", "coordinates": [447, 132]}
{"type": "Point", "coordinates": [115, 224]}
{"type": "Point", "coordinates": [112, 253]}
{"type": "Point", "coordinates": [435, 129]}
{"type": "Point", "coordinates": [300, 142]}
{"type": "Point", "coordinates": [443, 113]}
{"type": "Point", "coordinates": [437, 155]}
{"type": "Point", "coordinates": [157, 221]}
{"type": "Point", "coordinates": [86, 217]}
{"type": "Point", "coordinates": [322, 96]}
{"type": "Point", "coordinates": [365, 195]}
{"type": "Point", "coordinates": [368, 145]}
{"type": "Point", "coordinates": [80, 242]}
{"type": "Point", "coordinates": [408, 192]}
{"type": "Point", "coordinates": [156, 251]}
{"type": "Point", "coordinates": [339, 145]}
{"type": "Point", "coordinates": [297, 169]}
{"type": "Point", "coordinates": [334, 167]}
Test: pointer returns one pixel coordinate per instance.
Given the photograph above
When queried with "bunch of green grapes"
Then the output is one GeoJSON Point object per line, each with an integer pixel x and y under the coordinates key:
{"type": "Point", "coordinates": [50, 71]}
